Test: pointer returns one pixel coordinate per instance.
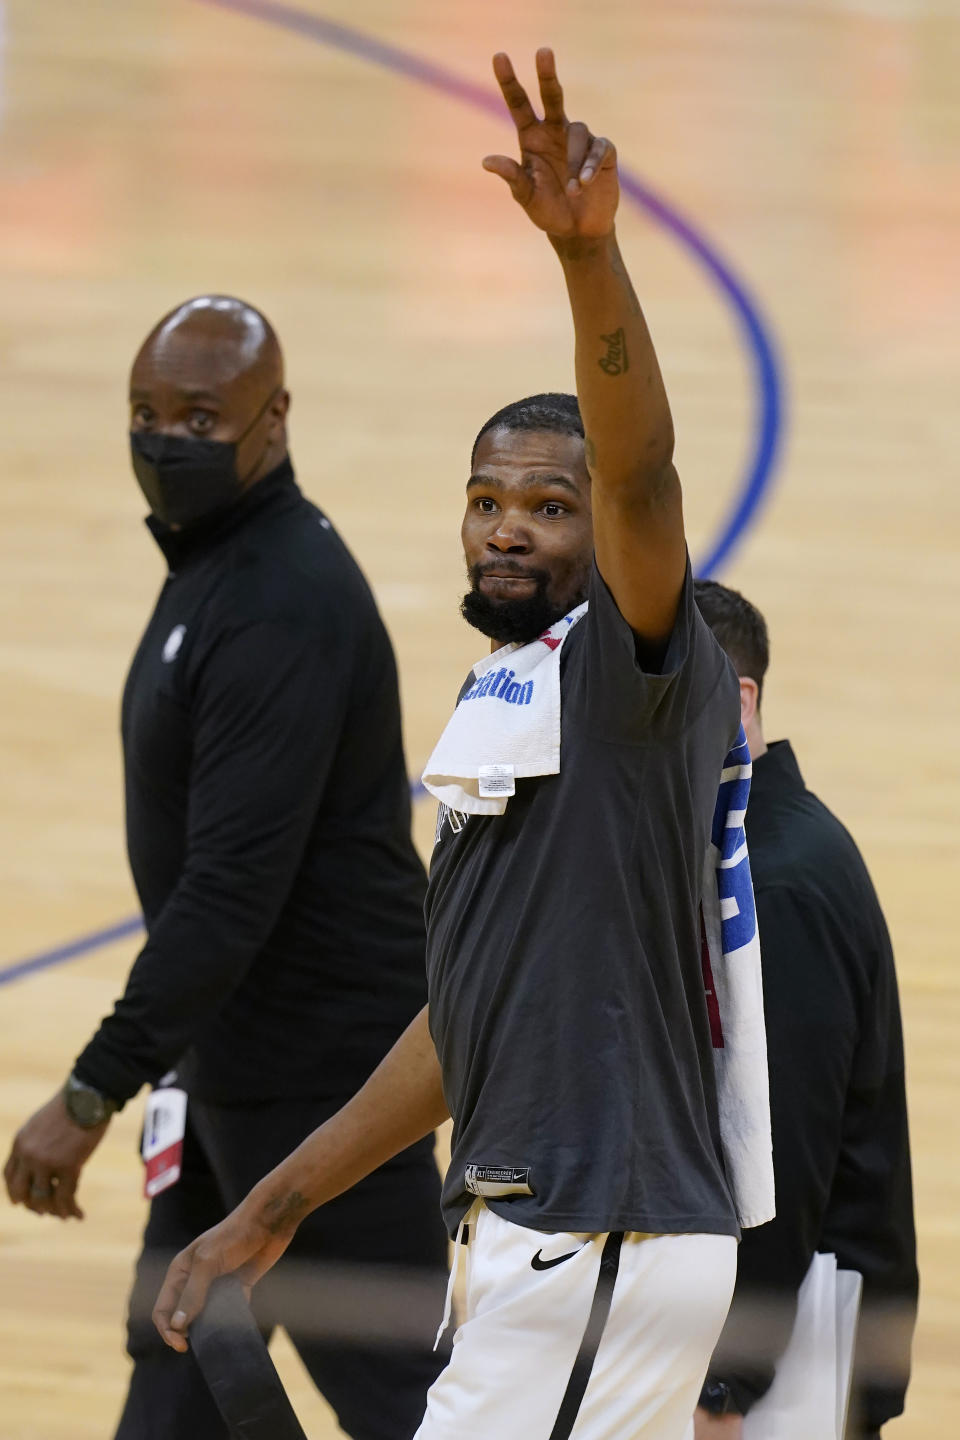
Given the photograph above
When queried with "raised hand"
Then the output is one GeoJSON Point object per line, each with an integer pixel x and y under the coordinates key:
{"type": "Point", "coordinates": [566, 179]}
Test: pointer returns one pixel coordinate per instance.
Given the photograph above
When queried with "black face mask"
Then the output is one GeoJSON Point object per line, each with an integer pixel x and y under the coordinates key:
{"type": "Point", "coordinates": [185, 479]}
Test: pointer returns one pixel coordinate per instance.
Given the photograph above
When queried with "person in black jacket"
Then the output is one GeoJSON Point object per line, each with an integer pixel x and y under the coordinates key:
{"type": "Point", "coordinates": [838, 1103]}
{"type": "Point", "coordinates": [268, 830]}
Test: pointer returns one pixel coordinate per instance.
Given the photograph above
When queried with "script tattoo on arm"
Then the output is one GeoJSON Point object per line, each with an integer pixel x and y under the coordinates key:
{"type": "Point", "coordinates": [281, 1213]}
{"type": "Point", "coordinates": [616, 361]}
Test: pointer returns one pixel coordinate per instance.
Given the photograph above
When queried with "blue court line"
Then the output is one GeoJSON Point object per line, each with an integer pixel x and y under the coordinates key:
{"type": "Point", "coordinates": [755, 332]}
{"type": "Point", "coordinates": [98, 939]}
{"type": "Point", "coordinates": [94, 941]}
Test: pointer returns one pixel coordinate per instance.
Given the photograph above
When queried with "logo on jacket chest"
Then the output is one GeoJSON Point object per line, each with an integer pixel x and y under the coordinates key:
{"type": "Point", "coordinates": [171, 646]}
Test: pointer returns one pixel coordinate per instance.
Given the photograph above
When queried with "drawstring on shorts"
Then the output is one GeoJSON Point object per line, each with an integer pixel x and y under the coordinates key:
{"type": "Point", "coordinates": [454, 1271]}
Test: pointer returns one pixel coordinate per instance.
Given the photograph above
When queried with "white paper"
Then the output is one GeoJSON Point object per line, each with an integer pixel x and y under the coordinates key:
{"type": "Point", "coordinates": [849, 1292]}
{"type": "Point", "coordinates": [810, 1391]}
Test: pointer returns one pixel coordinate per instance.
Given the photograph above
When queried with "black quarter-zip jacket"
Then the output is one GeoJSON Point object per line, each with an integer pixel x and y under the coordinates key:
{"type": "Point", "coordinates": [268, 819]}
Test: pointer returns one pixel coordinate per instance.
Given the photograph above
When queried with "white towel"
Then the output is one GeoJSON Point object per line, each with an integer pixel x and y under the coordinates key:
{"type": "Point", "coordinates": [506, 726]}
{"type": "Point", "coordinates": [734, 985]}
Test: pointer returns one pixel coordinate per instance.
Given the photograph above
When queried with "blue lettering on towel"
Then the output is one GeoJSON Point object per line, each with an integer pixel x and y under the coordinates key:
{"type": "Point", "coordinates": [501, 685]}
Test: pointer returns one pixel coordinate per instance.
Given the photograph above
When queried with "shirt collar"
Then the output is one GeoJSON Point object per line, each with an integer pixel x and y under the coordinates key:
{"type": "Point", "coordinates": [776, 769]}
{"type": "Point", "coordinates": [277, 488]}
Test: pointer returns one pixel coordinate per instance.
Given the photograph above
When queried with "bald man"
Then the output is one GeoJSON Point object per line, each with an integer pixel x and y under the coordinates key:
{"type": "Point", "coordinates": [268, 830]}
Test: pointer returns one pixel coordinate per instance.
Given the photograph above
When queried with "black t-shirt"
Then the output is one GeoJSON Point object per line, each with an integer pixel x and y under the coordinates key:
{"type": "Point", "coordinates": [268, 819]}
{"type": "Point", "coordinates": [563, 953]}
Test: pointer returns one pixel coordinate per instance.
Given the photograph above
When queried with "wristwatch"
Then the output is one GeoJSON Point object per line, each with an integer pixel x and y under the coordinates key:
{"type": "Point", "coordinates": [716, 1399]}
{"type": "Point", "coordinates": [85, 1105]}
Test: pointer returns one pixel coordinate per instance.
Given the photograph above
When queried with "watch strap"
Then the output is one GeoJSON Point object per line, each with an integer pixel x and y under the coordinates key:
{"type": "Point", "coordinates": [716, 1397]}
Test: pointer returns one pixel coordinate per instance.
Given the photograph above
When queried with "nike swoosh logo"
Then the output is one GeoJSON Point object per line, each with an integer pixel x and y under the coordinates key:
{"type": "Point", "coordinates": [537, 1264]}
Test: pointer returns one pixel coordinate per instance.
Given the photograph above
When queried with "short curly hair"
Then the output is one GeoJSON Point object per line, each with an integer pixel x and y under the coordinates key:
{"type": "Point", "coordinates": [552, 411]}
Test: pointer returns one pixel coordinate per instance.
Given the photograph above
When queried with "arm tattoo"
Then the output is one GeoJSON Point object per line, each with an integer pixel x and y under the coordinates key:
{"type": "Point", "coordinates": [615, 361]}
{"type": "Point", "coordinates": [285, 1211]}
{"type": "Point", "coordinates": [590, 451]}
{"type": "Point", "coordinates": [620, 270]}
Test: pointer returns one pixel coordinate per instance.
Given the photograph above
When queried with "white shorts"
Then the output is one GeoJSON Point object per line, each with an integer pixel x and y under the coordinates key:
{"type": "Point", "coordinates": [595, 1337]}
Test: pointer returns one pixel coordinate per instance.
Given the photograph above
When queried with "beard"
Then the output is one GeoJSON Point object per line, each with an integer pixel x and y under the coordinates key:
{"type": "Point", "coordinates": [513, 621]}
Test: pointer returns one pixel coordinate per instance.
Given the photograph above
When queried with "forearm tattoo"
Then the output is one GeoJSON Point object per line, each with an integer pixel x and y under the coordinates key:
{"type": "Point", "coordinates": [279, 1214]}
{"type": "Point", "coordinates": [615, 361]}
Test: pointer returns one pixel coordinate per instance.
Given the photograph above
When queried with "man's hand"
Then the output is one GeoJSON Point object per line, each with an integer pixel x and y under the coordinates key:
{"type": "Point", "coordinates": [400, 1103]}
{"type": "Point", "coordinates": [566, 180]}
{"type": "Point", "coordinates": [716, 1427]}
{"type": "Point", "coordinates": [46, 1158]}
{"type": "Point", "coordinates": [247, 1243]}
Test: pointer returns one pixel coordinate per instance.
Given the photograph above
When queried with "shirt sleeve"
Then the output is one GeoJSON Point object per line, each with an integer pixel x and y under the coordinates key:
{"type": "Point", "coordinates": [626, 700]}
{"type": "Point", "coordinates": [268, 707]}
{"type": "Point", "coordinates": [813, 1002]}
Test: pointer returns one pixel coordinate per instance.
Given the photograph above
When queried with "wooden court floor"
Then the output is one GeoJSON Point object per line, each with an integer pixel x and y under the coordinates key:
{"type": "Point", "coordinates": [152, 149]}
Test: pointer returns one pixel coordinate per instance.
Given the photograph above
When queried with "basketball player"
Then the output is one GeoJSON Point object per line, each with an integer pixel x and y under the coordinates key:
{"type": "Point", "coordinates": [567, 1031]}
{"type": "Point", "coordinates": [268, 830]}
{"type": "Point", "coordinates": [840, 1142]}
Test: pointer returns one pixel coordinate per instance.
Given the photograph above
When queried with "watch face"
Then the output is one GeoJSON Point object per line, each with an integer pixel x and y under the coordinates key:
{"type": "Point", "coordinates": [86, 1106]}
{"type": "Point", "coordinates": [715, 1397]}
